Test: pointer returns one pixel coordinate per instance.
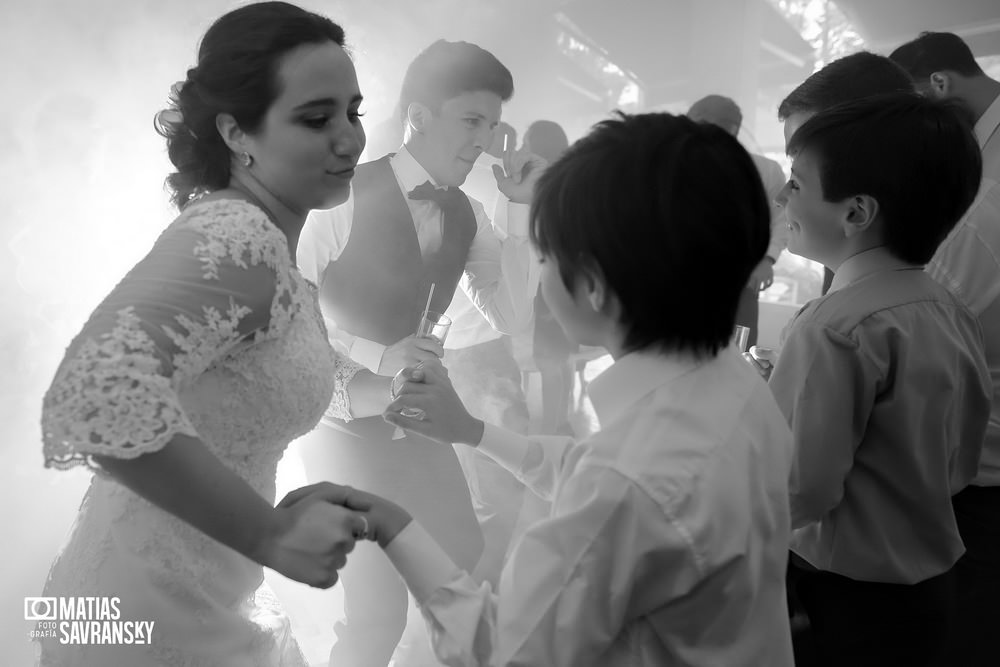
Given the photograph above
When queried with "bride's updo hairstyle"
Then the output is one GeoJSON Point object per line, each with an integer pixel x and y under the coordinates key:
{"type": "Point", "coordinates": [237, 73]}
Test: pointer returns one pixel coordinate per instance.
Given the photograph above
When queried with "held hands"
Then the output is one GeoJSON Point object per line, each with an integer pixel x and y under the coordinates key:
{"type": "Point", "coordinates": [383, 519]}
{"type": "Point", "coordinates": [312, 539]}
{"type": "Point", "coordinates": [409, 352]}
{"type": "Point", "coordinates": [445, 418]}
{"type": "Point", "coordinates": [762, 276]}
{"type": "Point", "coordinates": [521, 170]}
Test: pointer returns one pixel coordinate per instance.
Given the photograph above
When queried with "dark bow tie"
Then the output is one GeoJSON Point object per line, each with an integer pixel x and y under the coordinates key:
{"type": "Point", "coordinates": [443, 197]}
{"type": "Point", "coordinates": [457, 216]}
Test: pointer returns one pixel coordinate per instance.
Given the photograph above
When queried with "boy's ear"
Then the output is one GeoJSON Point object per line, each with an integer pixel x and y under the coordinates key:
{"type": "Point", "coordinates": [941, 84]}
{"type": "Point", "coordinates": [596, 291]}
{"type": "Point", "coordinates": [860, 214]}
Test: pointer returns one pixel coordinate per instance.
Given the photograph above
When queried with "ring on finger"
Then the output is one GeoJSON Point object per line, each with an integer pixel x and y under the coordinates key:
{"type": "Point", "coordinates": [363, 534]}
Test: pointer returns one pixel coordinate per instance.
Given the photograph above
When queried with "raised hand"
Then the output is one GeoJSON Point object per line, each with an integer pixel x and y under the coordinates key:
{"type": "Point", "coordinates": [521, 170]}
{"type": "Point", "coordinates": [312, 538]}
{"type": "Point", "coordinates": [445, 418]}
{"type": "Point", "coordinates": [409, 352]}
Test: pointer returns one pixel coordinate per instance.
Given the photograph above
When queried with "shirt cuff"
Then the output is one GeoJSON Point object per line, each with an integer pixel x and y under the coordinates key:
{"type": "Point", "coordinates": [422, 563]}
{"type": "Point", "coordinates": [367, 353]}
{"type": "Point", "coordinates": [505, 447]}
{"type": "Point", "coordinates": [511, 219]}
{"type": "Point", "coordinates": [517, 220]}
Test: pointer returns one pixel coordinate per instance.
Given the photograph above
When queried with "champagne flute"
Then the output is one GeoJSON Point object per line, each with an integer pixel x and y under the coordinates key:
{"type": "Point", "coordinates": [741, 336]}
{"type": "Point", "coordinates": [434, 326]}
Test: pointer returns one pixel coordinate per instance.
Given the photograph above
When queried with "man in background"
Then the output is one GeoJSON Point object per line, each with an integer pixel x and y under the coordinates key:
{"type": "Point", "coordinates": [968, 263]}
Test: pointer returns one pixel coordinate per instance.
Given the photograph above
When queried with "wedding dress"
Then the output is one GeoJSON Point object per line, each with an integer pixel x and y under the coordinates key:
{"type": "Point", "coordinates": [216, 335]}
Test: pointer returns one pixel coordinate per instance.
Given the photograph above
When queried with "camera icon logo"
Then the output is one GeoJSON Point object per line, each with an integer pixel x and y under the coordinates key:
{"type": "Point", "coordinates": [40, 609]}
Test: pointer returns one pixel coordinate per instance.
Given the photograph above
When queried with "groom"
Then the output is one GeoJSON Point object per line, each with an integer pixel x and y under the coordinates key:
{"type": "Point", "coordinates": [407, 227]}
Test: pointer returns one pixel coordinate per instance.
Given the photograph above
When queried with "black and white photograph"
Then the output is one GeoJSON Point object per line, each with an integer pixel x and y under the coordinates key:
{"type": "Point", "coordinates": [500, 333]}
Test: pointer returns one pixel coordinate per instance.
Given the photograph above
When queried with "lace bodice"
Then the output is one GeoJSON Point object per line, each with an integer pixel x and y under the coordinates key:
{"type": "Point", "coordinates": [214, 335]}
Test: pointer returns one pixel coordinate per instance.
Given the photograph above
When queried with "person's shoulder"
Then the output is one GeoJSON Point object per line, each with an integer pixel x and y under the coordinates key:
{"type": "Point", "coordinates": [477, 207]}
{"type": "Point", "coordinates": [983, 214]}
{"type": "Point", "coordinates": [223, 217]}
{"type": "Point", "coordinates": [844, 308]}
{"type": "Point", "coordinates": [230, 231]}
{"type": "Point", "coordinates": [884, 302]}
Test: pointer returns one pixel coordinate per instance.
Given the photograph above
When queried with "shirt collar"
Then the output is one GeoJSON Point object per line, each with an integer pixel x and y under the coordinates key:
{"type": "Point", "coordinates": [409, 172]}
{"type": "Point", "coordinates": [864, 264]}
{"type": "Point", "coordinates": [633, 376]}
{"type": "Point", "coordinates": [987, 123]}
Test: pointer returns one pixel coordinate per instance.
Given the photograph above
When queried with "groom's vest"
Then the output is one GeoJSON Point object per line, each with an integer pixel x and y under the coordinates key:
{"type": "Point", "coordinates": [378, 287]}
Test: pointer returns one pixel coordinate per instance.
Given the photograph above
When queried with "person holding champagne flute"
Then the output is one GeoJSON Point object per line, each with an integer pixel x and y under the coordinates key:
{"type": "Point", "coordinates": [407, 226]}
{"type": "Point", "coordinates": [433, 327]}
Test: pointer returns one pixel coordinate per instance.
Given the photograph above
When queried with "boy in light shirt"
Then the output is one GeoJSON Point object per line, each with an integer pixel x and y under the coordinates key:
{"type": "Point", "coordinates": [666, 542]}
{"type": "Point", "coordinates": [883, 380]}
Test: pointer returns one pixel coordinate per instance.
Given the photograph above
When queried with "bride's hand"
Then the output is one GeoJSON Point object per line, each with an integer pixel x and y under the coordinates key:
{"type": "Point", "coordinates": [312, 538]}
{"type": "Point", "coordinates": [383, 518]}
{"type": "Point", "coordinates": [445, 418]}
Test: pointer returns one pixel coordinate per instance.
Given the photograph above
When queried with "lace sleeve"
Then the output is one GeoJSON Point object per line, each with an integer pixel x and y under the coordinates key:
{"type": "Point", "coordinates": [340, 404]}
{"type": "Point", "coordinates": [217, 278]}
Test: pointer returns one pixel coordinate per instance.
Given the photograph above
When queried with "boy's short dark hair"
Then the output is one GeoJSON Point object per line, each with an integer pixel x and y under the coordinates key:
{"type": "Point", "coordinates": [916, 156]}
{"type": "Point", "coordinates": [935, 52]}
{"type": "Point", "coordinates": [670, 212]}
{"type": "Point", "coordinates": [852, 77]}
{"type": "Point", "coordinates": [445, 70]}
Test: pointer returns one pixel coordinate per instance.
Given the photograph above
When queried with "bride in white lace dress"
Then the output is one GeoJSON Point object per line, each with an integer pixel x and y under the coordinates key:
{"type": "Point", "coordinates": [189, 380]}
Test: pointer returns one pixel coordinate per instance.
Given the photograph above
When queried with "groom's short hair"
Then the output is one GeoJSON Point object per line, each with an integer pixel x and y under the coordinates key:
{"type": "Point", "coordinates": [445, 70]}
{"type": "Point", "coordinates": [636, 204]}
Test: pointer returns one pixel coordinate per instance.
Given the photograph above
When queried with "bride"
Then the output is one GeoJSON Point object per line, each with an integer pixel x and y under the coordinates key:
{"type": "Point", "coordinates": [188, 381]}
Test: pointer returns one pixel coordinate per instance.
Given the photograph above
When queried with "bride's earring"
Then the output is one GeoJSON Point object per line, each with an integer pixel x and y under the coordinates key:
{"type": "Point", "coordinates": [246, 159]}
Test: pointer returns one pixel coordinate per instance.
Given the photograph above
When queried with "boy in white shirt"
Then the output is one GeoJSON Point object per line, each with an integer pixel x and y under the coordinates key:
{"type": "Point", "coordinates": [666, 543]}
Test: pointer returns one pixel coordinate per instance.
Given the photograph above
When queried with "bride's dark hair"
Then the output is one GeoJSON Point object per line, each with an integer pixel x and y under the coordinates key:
{"type": "Point", "coordinates": [236, 74]}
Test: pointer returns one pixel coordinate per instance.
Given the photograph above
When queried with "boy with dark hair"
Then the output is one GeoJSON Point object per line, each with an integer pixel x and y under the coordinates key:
{"type": "Point", "coordinates": [405, 228]}
{"type": "Point", "coordinates": [667, 538]}
{"type": "Point", "coordinates": [968, 263]}
{"type": "Point", "coordinates": [852, 77]}
{"type": "Point", "coordinates": [883, 380]}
